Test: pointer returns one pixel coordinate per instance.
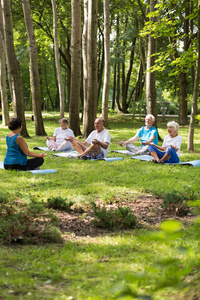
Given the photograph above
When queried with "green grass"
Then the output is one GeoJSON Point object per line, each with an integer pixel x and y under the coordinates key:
{"type": "Point", "coordinates": [130, 264]}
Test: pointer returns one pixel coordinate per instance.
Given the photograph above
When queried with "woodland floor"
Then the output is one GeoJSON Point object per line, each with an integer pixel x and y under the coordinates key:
{"type": "Point", "coordinates": [147, 208]}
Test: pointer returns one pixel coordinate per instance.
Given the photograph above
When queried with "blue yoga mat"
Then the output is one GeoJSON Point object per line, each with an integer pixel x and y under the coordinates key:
{"type": "Point", "coordinates": [194, 163]}
{"type": "Point", "coordinates": [35, 172]}
{"type": "Point", "coordinates": [108, 159]}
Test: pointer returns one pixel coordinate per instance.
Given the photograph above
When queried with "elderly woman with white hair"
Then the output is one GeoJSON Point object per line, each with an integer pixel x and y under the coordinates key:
{"type": "Point", "coordinates": [170, 150]}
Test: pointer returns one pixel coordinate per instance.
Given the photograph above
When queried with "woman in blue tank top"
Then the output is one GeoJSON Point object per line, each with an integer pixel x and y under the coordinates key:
{"type": "Point", "coordinates": [17, 150]}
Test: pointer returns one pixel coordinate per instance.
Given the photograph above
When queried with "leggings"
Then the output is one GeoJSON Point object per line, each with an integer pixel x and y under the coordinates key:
{"type": "Point", "coordinates": [32, 164]}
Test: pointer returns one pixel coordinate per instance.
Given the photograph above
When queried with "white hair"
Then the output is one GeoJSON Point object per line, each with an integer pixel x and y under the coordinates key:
{"type": "Point", "coordinates": [150, 116]}
{"type": "Point", "coordinates": [173, 124]}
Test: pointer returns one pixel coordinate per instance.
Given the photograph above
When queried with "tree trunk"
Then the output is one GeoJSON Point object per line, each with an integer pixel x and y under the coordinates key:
{"type": "Point", "coordinates": [107, 62]}
{"type": "Point", "coordinates": [15, 80]}
{"type": "Point", "coordinates": [57, 59]}
{"type": "Point", "coordinates": [75, 67]}
{"type": "Point", "coordinates": [3, 89]}
{"type": "Point", "coordinates": [183, 84]}
{"type": "Point", "coordinates": [90, 105]}
{"type": "Point", "coordinates": [34, 72]}
{"type": "Point", "coordinates": [84, 53]}
{"type": "Point", "coordinates": [151, 76]}
{"type": "Point", "coordinates": [118, 71]}
{"type": "Point", "coordinates": [190, 145]}
{"type": "Point", "coordinates": [114, 87]}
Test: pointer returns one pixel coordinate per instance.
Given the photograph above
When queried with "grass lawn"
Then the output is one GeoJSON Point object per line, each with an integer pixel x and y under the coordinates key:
{"type": "Point", "coordinates": [141, 263]}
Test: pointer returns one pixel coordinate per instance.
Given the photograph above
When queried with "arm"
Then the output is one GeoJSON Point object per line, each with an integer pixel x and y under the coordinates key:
{"type": "Point", "coordinates": [152, 137]}
{"type": "Point", "coordinates": [25, 150]}
{"type": "Point", "coordinates": [49, 138]}
{"type": "Point", "coordinates": [104, 145]}
{"type": "Point", "coordinates": [72, 139]}
{"type": "Point", "coordinates": [131, 140]}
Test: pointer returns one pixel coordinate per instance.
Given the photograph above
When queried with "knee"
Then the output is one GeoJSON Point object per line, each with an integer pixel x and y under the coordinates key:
{"type": "Point", "coordinates": [151, 148]}
{"type": "Point", "coordinates": [170, 151]}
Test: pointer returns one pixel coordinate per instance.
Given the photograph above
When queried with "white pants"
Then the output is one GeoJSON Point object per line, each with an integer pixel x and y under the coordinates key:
{"type": "Point", "coordinates": [53, 146]}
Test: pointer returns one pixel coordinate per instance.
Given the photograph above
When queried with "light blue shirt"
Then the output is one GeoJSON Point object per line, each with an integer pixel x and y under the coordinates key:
{"type": "Point", "coordinates": [145, 134]}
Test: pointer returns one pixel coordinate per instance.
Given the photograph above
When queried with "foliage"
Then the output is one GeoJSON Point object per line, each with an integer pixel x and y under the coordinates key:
{"type": "Point", "coordinates": [120, 217]}
{"type": "Point", "coordinates": [59, 203]}
{"type": "Point", "coordinates": [176, 202]}
{"type": "Point", "coordinates": [27, 223]}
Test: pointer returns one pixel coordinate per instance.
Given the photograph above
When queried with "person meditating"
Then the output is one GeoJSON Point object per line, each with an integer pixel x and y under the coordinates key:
{"type": "Point", "coordinates": [58, 142]}
{"type": "Point", "coordinates": [98, 139]}
{"type": "Point", "coordinates": [170, 150]}
{"type": "Point", "coordinates": [17, 150]}
{"type": "Point", "coordinates": [147, 133]}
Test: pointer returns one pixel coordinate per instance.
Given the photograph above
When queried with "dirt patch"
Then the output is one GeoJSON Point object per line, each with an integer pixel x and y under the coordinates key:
{"type": "Point", "coordinates": [148, 210]}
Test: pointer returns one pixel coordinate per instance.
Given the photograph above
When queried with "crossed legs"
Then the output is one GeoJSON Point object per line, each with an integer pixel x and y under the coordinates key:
{"type": "Point", "coordinates": [80, 147]}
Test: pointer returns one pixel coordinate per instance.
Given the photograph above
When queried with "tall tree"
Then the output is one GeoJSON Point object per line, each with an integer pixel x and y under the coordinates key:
{"type": "Point", "coordinates": [107, 62]}
{"type": "Point", "coordinates": [75, 67]}
{"type": "Point", "coordinates": [57, 59]}
{"type": "Point", "coordinates": [84, 51]}
{"type": "Point", "coordinates": [190, 145]}
{"type": "Point", "coordinates": [34, 72]}
{"type": "Point", "coordinates": [90, 103]}
{"type": "Point", "coordinates": [151, 76]}
{"type": "Point", "coordinates": [3, 89]}
{"type": "Point", "coordinates": [14, 74]}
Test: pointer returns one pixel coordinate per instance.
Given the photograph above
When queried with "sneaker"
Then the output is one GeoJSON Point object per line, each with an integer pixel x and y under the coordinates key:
{"type": "Point", "coordinates": [85, 157]}
{"type": "Point", "coordinates": [53, 149]}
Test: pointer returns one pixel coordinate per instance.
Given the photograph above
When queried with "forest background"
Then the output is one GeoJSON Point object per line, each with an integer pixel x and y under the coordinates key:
{"type": "Point", "coordinates": [87, 57]}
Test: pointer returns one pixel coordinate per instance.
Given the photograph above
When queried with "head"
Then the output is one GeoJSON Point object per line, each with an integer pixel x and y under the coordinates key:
{"type": "Point", "coordinates": [15, 123]}
{"type": "Point", "coordinates": [99, 124]}
{"type": "Point", "coordinates": [149, 120]}
{"type": "Point", "coordinates": [63, 123]}
{"type": "Point", "coordinates": [173, 127]}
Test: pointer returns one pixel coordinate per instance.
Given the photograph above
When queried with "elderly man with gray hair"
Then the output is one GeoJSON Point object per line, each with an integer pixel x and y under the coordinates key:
{"type": "Point", "coordinates": [170, 150]}
{"type": "Point", "coordinates": [147, 133]}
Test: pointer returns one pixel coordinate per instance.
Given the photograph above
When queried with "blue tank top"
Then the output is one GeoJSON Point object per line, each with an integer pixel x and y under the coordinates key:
{"type": "Point", "coordinates": [14, 154]}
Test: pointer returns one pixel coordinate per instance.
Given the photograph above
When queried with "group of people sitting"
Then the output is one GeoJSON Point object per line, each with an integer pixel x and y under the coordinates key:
{"type": "Point", "coordinates": [96, 145]}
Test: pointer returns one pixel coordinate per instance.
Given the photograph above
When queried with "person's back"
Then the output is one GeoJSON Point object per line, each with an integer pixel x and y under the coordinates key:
{"type": "Point", "coordinates": [14, 154]}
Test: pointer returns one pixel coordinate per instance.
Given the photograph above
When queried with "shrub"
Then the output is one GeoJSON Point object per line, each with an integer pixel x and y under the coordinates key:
{"type": "Point", "coordinates": [59, 203]}
{"type": "Point", "coordinates": [122, 217]}
{"type": "Point", "coordinates": [28, 224]}
{"type": "Point", "coordinates": [176, 202]}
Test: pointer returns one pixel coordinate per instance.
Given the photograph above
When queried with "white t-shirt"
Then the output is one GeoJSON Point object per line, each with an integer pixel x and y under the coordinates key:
{"type": "Point", "coordinates": [62, 134]}
{"type": "Point", "coordinates": [103, 136]}
{"type": "Point", "coordinates": [176, 141]}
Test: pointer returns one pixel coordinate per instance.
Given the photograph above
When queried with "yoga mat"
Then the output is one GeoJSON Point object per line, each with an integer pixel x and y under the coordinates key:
{"type": "Point", "coordinates": [35, 172]}
{"type": "Point", "coordinates": [108, 159]}
{"type": "Point", "coordinates": [123, 152]}
{"type": "Point", "coordinates": [41, 148]}
{"type": "Point", "coordinates": [67, 154]}
{"type": "Point", "coordinates": [194, 163]}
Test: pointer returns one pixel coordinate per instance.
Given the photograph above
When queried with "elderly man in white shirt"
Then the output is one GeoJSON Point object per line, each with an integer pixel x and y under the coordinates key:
{"type": "Point", "coordinates": [98, 139]}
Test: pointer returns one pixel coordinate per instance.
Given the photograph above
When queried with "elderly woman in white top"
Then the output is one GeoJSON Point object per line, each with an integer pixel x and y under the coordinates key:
{"type": "Point", "coordinates": [58, 141]}
{"type": "Point", "coordinates": [170, 150]}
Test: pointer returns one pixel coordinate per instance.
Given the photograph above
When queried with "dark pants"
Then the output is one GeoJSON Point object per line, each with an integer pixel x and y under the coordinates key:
{"type": "Point", "coordinates": [32, 164]}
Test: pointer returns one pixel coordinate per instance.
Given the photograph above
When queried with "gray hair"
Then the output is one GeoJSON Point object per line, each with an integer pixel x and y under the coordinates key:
{"type": "Point", "coordinates": [63, 120]}
{"type": "Point", "coordinates": [150, 116]}
{"type": "Point", "coordinates": [173, 124]}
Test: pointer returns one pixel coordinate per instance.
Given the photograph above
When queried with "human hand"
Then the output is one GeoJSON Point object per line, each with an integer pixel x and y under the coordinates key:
{"type": "Point", "coordinates": [43, 154]}
{"type": "Point", "coordinates": [70, 139]}
{"type": "Point", "coordinates": [95, 141]}
{"type": "Point", "coordinates": [121, 144]}
{"type": "Point", "coordinates": [48, 137]}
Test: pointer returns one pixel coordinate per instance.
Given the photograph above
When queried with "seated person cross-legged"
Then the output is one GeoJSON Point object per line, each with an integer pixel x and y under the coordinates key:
{"type": "Point", "coordinates": [98, 139]}
{"type": "Point", "coordinates": [147, 133]}
{"type": "Point", "coordinates": [17, 150]}
{"type": "Point", "coordinates": [170, 150]}
{"type": "Point", "coordinates": [58, 142]}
